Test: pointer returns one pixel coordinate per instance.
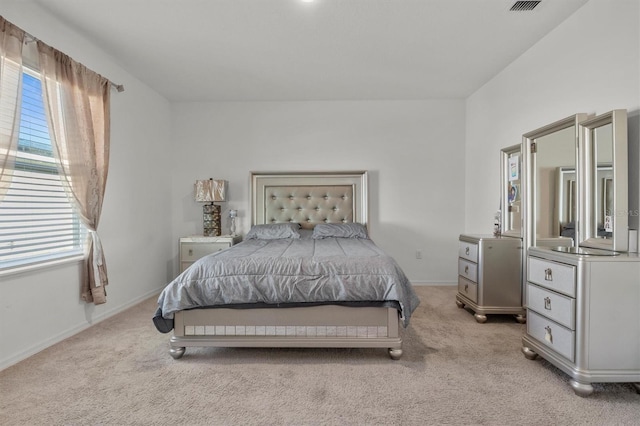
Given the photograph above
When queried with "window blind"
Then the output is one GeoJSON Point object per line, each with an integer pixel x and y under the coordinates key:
{"type": "Point", "coordinates": [37, 221]}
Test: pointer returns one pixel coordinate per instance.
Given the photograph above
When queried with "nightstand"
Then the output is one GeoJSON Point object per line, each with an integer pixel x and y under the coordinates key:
{"type": "Point", "coordinates": [489, 276]}
{"type": "Point", "coordinates": [194, 247]}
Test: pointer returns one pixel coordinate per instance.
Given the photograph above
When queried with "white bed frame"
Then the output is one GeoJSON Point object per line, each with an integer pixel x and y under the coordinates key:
{"type": "Point", "coordinates": [307, 198]}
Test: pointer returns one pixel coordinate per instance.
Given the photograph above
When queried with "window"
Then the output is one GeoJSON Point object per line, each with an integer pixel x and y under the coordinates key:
{"type": "Point", "coordinates": [37, 221]}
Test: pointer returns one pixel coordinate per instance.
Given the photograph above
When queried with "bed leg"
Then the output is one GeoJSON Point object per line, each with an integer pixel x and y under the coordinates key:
{"type": "Point", "coordinates": [395, 353]}
{"type": "Point", "coordinates": [176, 353]}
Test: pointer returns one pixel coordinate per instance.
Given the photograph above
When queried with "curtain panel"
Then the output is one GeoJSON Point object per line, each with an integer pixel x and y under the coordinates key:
{"type": "Point", "coordinates": [77, 105]}
{"type": "Point", "coordinates": [11, 44]}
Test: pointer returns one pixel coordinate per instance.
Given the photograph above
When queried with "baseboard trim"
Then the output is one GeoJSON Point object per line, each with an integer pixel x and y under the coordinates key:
{"type": "Point", "coordinates": [16, 358]}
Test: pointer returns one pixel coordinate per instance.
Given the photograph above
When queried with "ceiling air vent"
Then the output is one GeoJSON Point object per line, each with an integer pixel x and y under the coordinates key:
{"type": "Point", "coordinates": [524, 5]}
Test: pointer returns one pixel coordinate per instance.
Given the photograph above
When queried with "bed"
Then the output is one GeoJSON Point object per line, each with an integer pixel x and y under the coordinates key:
{"type": "Point", "coordinates": [306, 275]}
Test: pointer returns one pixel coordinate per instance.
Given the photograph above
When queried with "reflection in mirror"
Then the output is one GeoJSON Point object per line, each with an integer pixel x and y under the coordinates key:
{"type": "Point", "coordinates": [553, 151]}
{"type": "Point", "coordinates": [567, 201]}
{"type": "Point", "coordinates": [603, 153]}
{"type": "Point", "coordinates": [583, 251]}
{"type": "Point", "coordinates": [511, 191]}
{"type": "Point", "coordinates": [605, 196]}
{"type": "Point", "coordinates": [604, 201]}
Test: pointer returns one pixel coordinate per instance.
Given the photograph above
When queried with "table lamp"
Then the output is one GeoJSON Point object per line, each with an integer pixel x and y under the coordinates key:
{"type": "Point", "coordinates": [210, 191]}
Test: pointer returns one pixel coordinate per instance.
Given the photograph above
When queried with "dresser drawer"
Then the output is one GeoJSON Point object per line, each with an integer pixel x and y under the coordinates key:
{"type": "Point", "coordinates": [551, 334]}
{"type": "Point", "coordinates": [468, 289]}
{"type": "Point", "coordinates": [190, 252]}
{"type": "Point", "coordinates": [468, 251]}
{"type": "Point", "coordinates": [468, 270]}
{"type": "Point", "coordinates": [552, 305]}
{"type": "Point", "coordinates": [553, 275]}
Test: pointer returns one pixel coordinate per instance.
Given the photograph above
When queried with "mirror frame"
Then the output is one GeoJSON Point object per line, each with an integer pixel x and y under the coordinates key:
{"type": "Point", "coordinates": [530, 174]}
{"type": "Point", "coordinates": [505, 153]}
{"type": "Point", "coordinates": [588, 216]}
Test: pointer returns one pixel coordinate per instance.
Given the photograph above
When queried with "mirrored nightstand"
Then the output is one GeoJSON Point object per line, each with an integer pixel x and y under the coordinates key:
{"type": "Point", "coordinates": [194, 247]}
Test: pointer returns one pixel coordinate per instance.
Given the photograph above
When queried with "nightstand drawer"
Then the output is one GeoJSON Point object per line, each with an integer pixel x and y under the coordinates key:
{"type": "Point", "coordinates": [552, 305]}
{"type": "Point", "coordinates": [191, 252]}
{"type": "Point", "coordinates": [468, 251]}
{"type": "Point", "coordinates": [468, 289]}
{"type": "Point", "coordinates": [553, 275]}
{"type": "Point", "coordinates": [468, 270]}
{"type": "Point", "coordinates": [551, 334]}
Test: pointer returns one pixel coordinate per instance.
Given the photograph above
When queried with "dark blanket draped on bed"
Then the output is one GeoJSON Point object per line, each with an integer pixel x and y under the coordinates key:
{"type": "Point", "coordinates": [290, 272]}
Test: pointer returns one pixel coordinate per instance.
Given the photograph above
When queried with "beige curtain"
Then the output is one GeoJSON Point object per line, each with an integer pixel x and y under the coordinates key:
{"type": "Point", "coordinates": [77, 106]}
{"type": "Point", "coordinates": [11, 43]}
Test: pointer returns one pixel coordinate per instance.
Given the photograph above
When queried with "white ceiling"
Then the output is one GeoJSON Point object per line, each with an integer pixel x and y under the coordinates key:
{"type": "Point", "coordinates": [234, 50]}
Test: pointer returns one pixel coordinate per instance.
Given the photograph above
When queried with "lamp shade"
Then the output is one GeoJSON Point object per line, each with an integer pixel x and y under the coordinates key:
{"type": "Point", "coordinates": [210, 190]}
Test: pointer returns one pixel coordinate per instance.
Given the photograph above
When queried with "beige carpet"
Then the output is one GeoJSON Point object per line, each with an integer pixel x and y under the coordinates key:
{"type": "Point", "coordinates": [454, 371]}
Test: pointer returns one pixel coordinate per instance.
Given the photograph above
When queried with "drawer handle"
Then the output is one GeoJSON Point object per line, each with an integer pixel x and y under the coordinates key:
{"type": "Point", "coordinates": [466, 251]}
{"type": "Point", "coordinates": [466, 270]}
{"type": "Point", "coordinates": [190, 252]}
{"type": "Point", "coordinates": [547, 303]}
{"type": "Point", "coordinates": [548, 336]}
{"type": "Point", "coordinates": [548, 274]}
{"type": "Point", "coordinates": [466, 288]}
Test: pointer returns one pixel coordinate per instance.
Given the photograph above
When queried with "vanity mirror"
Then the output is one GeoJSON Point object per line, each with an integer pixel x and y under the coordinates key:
{"type": "Point", "coordinates": [603, 151]}
{"type": "Point", "coordinates": [511, 191]}
{"type": "Point", "coordinates": [550, 155]}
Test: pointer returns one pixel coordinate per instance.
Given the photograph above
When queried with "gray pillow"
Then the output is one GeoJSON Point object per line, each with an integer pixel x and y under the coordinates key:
{"type": "Point", "coordinates": [273, 231]}
{"type": "Point", "coordinates": [340, 230]}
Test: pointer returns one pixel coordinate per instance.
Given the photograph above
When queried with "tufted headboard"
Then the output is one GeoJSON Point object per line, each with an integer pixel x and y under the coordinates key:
{"type": "Point", "coordinates": [309, 198]}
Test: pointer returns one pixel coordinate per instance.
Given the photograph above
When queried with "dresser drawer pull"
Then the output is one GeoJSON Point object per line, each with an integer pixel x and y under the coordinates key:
{"type": "Point", "coordinates": [466, 270]}
{"type": "Point", "coordinates": [190, 252]}
{"type": "Point", "coordinates": [548, 336]}
{"type": "Point", "coordinates": [548, 274]}
{"type": "Point", "coordinates": [466, 288]}
{"type": "Point", "coordinates": [547, 303]}
{"type": "Point", "coordinates": [466, 251]}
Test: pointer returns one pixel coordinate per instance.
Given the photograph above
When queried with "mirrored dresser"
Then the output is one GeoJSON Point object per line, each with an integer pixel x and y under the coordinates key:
{"type": "Point", "coordinates": [583, 314]}
{"type": "Point", "coordinates": [583, 301]}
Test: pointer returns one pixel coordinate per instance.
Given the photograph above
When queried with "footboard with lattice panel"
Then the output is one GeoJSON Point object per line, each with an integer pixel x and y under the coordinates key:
{"type": "Point", "coordinates": [317, 326]}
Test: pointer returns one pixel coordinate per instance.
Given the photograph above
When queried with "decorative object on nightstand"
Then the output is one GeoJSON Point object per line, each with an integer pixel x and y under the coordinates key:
{"type": "Point", "coordinates": [233, 214]}
{"type": "Point", "coordinates": [195, 247]}
{"type": "Point", "coordinates": [497, 224]}
{"type": "Point", "coordinates": [210, 191]}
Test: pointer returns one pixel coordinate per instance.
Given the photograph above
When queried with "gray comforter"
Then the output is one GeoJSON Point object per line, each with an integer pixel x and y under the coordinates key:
{"type": "Point", "coordinates": [291, 271]}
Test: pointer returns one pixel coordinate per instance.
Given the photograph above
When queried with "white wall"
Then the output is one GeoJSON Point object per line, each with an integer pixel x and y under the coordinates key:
{"type": "Point", "coordinates": [590, 63]}
{"type": "Point", "coordinates": [42, 307]}
{"type": "Point", "coordinates": [413, 150]}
